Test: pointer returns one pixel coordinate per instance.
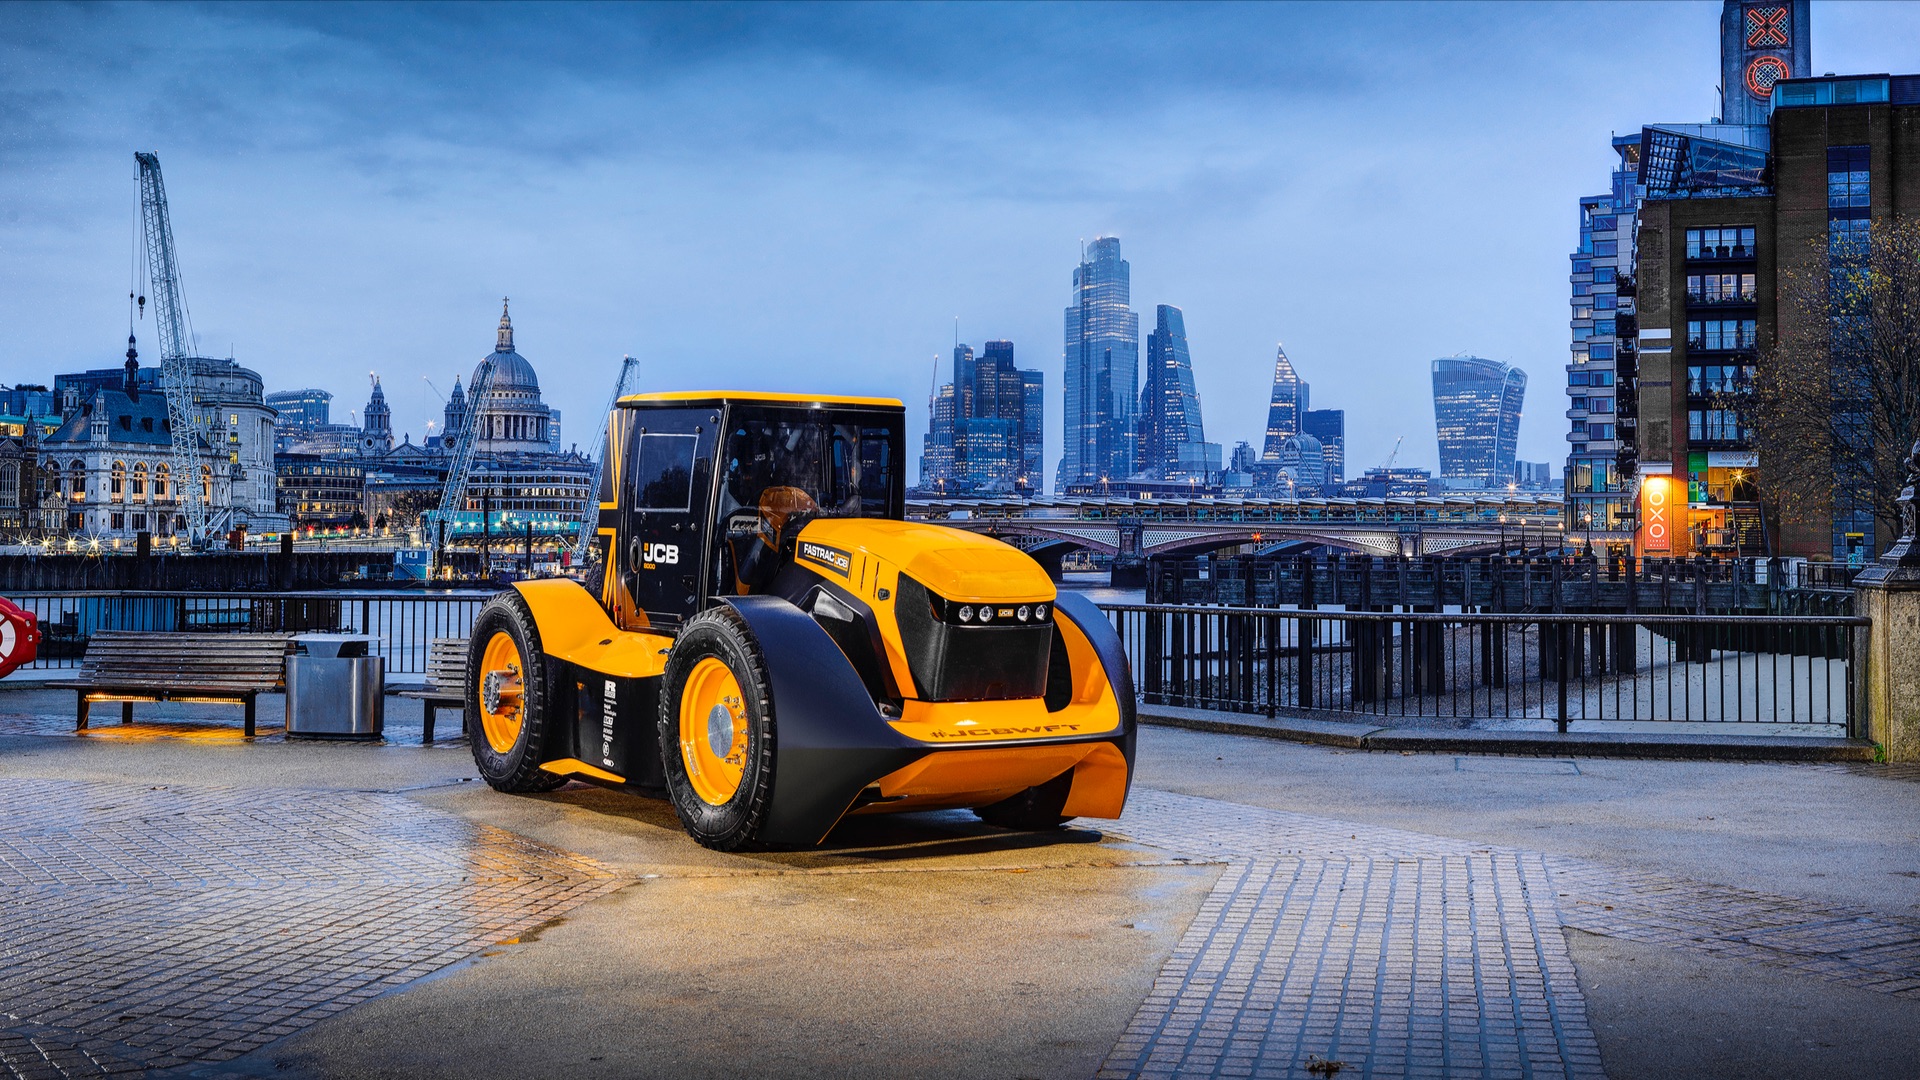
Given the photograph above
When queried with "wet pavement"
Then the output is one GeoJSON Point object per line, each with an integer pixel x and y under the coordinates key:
{"type": "Point", "coordinates": [178, 900]}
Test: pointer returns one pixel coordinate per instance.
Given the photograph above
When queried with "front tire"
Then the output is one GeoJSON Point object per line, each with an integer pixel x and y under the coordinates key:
{"type": "Point", "coordinates": [1033, 810]}
{"type": "Point", "coordinates": [506, 710]}
{"type": "Point", "coordinates": [716, 728]}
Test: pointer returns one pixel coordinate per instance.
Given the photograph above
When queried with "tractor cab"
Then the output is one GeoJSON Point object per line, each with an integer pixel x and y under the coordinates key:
{"type": "Point", "coordinates": [713, 490]}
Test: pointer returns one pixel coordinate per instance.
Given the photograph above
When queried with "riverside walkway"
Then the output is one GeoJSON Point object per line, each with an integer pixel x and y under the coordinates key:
{"type": "Point", "coordinates": [177, 900]}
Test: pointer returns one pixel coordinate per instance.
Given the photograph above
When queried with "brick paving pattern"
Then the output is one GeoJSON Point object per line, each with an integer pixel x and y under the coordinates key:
{"type": "Point", "coordinates": [1392, 952]}
{"type": "Point", "coordinates": [1832, 941]}
{"type": "Point", "coordinates": [146, 927]}
{"type": "Point", "coordinates": [1402, 954]}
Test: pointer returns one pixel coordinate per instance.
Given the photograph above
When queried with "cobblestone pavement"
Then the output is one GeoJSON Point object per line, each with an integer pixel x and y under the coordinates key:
{"type": "Point", "coordinates": [1398, 954]}
{"type": "Point", "coordinates": [143, 927]}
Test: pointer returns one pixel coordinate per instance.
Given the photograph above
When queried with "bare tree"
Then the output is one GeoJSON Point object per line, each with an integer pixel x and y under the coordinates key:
{"type": "Point", "coordinates": [1836, 401]}
{"type": "Point", "coordinates": [410, 506]}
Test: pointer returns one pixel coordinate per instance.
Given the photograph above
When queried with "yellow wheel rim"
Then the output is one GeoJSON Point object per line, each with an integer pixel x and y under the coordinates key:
{"type": "Point", "coordinates": [713, 732]}
{"type": "Point", "coordinates": [502, 694]}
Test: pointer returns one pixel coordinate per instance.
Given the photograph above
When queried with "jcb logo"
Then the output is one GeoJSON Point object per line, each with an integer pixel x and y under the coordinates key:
{"type": "Point", "coordinates": [663, 554]}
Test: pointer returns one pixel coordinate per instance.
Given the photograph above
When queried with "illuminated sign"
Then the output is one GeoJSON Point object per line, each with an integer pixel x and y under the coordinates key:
{"type": "Point", "coordinates": [1656, 514]}
{"type": "Point", "coordinates": [1763, 73]}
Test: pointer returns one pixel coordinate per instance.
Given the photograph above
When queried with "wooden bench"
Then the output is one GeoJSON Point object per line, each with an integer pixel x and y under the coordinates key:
{"type": "Point", "coordinates": [446, 681]}
{"type": "Point", "coordinates": [131, 665]}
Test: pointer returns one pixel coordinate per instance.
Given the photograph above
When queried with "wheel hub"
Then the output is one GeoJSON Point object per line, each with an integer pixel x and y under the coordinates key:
{"type": "Point", "coordinates": [498, 686]}
{"type": "Point", "coordinates": [720, 731]}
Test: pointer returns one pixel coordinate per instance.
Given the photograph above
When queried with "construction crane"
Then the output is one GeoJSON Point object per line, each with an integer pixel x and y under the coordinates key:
{"type": "Point", "coordinates": [175, 332]}
{"type": "Point", "coordinates": [1395, 455]}
{"type": "Point", "coordinates": [590, 519]}
{"type": "Point", "coordinates": [453, 494]}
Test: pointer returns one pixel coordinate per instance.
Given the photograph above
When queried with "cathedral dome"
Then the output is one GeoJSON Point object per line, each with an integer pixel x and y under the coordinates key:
{"type": "Point", "coordinates": [512, 375]}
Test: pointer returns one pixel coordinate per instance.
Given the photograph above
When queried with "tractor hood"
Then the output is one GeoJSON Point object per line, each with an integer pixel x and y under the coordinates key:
{"type": "Point", "coordinates": [957, 565]}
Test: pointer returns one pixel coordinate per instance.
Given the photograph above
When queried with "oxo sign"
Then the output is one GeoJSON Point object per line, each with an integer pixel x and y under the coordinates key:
{"type": "Point", "coordinates": [1656, 514]}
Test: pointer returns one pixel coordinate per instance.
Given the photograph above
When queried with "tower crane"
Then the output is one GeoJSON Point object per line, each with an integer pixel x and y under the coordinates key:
{"type": "Point", "coordinates": [590, 520]}
{"type": "Point", "coordinates": [453, 494]}
{"type": "Point", "coordinates": [175, 332]}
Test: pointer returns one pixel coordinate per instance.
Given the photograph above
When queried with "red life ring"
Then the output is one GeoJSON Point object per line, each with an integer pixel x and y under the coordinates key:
{"type": "Point", "coordinates": [19, 637]}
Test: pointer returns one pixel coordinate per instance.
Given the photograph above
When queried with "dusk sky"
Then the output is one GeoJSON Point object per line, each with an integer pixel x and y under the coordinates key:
{"type": "Point", "coordinates": [805, 197]}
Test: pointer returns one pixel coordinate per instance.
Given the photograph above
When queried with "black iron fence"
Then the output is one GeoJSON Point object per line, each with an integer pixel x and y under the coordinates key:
{"type": "Point", "coordinates": [1460, 667]}
{"type": "Point", "coordinates": [1697, 586]}
{"type": "Point", "coordinates": [403, 623]}
{"type": "Point", "coordinates": [1563, 668]}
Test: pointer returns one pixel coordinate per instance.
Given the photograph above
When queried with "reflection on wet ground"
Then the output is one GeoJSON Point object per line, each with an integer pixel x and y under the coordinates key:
{"type": "Point", "coordinates": [146, 926]}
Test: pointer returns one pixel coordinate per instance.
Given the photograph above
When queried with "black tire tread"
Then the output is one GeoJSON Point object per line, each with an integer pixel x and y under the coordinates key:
{"type": "Point", "coordinates": [741, 832]}
{"type": "Point", "coordinates": [517, 772]}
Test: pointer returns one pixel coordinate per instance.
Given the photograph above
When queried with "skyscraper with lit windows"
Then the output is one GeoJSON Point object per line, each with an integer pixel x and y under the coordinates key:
{"type": "Point", "coordinates": [1476, 413]}
{"type": "Point", "coordinates": [1102, 381]}
{"type": "Point", "coordinates": [1173, 442]}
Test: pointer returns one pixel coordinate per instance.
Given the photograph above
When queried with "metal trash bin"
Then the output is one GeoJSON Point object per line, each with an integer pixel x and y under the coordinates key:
{"type": "Point", "coordinates": [335, 689]}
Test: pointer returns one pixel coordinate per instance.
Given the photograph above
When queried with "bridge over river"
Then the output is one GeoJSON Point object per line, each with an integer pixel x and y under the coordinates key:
{"type": "Point", "coordinates": [1134, 530]}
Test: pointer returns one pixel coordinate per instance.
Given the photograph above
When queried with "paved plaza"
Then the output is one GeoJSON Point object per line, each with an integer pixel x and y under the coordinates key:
{"type": "Point", "coordinates": [177, 900]}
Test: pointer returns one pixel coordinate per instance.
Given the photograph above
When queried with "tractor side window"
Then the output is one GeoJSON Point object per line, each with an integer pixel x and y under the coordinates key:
{"type": "Point", "coordinates": [663, 472]}
{"type": "Point", "coordinates": [876, 469]}
{"type": "Point", "coordinates": [861, 475]}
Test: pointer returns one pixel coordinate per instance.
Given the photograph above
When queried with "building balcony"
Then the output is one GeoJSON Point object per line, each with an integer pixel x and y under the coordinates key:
{"type": "Point", "coordinates": [1743, 348]}
{"type": "Point", "coordinates": [1624, 285]}
{"type": "Point", "coordinates": [1722, 253]}
{"type": "Point", "coordinates": [1721, 301]}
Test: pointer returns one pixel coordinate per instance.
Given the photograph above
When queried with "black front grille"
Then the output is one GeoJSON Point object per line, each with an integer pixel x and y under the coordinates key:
{"type": "Point", "coordinates": [969, 663]}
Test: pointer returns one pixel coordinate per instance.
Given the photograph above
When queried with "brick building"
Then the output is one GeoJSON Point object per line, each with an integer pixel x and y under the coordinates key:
{"type": "Point", "coordinates": [1718, 225]}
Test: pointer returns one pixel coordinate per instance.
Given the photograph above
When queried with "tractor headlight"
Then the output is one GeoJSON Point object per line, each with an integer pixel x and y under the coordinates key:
{"type": "Point", "coordinates": [1040, 612]}
{"type": "Point", "coordinates": [1023, 613]}
{"type": "Point", "coordinates": [966, 614]}
{"type": "Point", "coordinates": [986, 613]}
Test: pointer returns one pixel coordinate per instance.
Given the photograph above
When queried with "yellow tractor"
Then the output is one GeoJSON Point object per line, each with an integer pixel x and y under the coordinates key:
{"type": "Point", "coordinates": [770, 645]}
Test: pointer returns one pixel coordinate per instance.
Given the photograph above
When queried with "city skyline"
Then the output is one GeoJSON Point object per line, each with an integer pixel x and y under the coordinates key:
{"type": "Point", "coordinates": [326, 233]}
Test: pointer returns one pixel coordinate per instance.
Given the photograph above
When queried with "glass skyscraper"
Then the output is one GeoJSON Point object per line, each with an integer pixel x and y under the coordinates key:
{"type": "Point", "coordinates": [1330, 427]}
{"type": "Point", "coordinates": [984, 429]}
{"type": "Point", "coordinates": [1476, 413]}
{"type": "Point", "coordinates": [1286, 408]}
{"type": "Point", "coordinates": [1173, 445]}
{"type": "Point", "coordinates": [1102, 370]}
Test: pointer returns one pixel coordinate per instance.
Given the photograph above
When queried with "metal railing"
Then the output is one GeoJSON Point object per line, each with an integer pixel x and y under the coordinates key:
{"type": "Point", "coordinates": [1804, 670]}
{"type": "Point", "coordinates": [404, 623]}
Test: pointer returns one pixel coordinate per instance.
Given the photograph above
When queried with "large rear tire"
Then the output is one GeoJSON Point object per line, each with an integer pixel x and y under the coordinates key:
{"type": "Point", "coordinates": [506, 709]}
{"type": "Point", "coordinates": [716, 729]}
{"type": "Point", "coordinates": [1035, 809]}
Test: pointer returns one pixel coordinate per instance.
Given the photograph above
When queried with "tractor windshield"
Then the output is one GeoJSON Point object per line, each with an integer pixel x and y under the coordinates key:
{"type": "Point", "coordinates": [810, 463]}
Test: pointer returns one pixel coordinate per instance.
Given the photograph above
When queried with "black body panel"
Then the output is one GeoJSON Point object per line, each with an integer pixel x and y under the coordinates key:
{"type": "Point", "coordinates": [830, 740]}
{"type": "Point", "coordinates": [952, 662]}
{"type": "Point", "coordinates": [607, 722]}
{"type": "Point", "coordinates": [1113, 657]}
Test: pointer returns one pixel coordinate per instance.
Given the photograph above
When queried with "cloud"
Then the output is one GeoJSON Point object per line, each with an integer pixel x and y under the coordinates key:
{"type": "Point", "coordinates": [771, 193]}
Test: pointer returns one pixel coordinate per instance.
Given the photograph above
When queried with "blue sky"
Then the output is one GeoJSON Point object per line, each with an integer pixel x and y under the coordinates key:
{"type": "Point", "coordinates": [805, 197]}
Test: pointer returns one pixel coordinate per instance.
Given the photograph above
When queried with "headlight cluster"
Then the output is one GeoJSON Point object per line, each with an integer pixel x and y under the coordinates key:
{"type": "Point", "coordinates": [986, 613]}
